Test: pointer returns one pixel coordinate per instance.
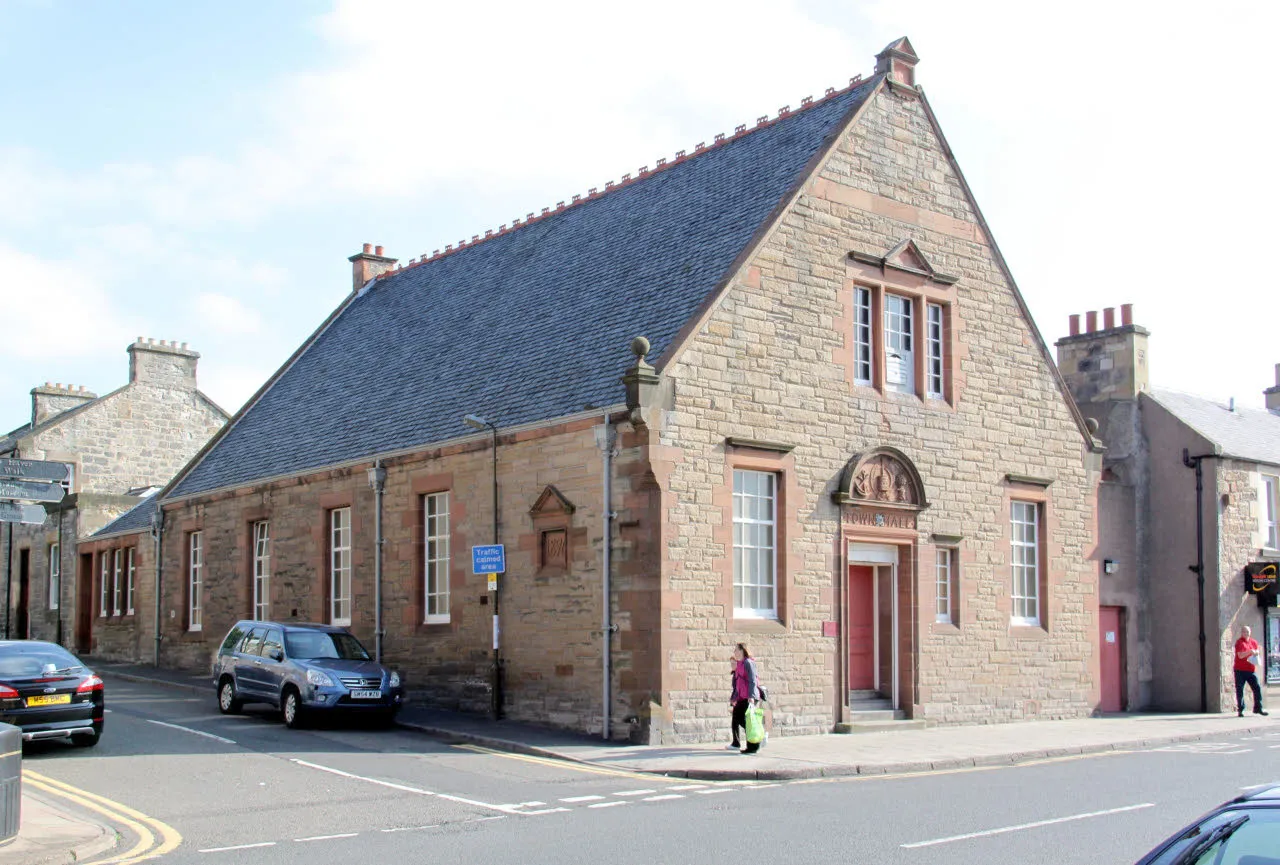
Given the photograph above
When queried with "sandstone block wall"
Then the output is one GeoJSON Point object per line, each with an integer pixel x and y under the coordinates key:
{"type": "Point", "coordinates": [769, 364]}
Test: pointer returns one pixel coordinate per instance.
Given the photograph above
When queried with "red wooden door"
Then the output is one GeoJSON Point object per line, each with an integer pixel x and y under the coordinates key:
{"type": "Point", "coordinates": [1111, 621]}
{"type": "Point", "coordinates": [861, 628]}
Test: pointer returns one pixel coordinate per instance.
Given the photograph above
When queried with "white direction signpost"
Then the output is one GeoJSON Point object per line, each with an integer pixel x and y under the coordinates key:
{"type": "Point", "coordinates": [27, 491]}
{"type": "Point", "coordinates": [33, 470]}
{"type": "Point", "coordinates": [31, 481]}
{"type": "Point", "coordinates": [13, 512]}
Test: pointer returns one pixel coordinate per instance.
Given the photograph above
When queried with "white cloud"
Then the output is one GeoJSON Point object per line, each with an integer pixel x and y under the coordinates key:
{"type": "Point", "coordinates": [227, 314]}
{"type": "Point", "coordinates": [55, 308]}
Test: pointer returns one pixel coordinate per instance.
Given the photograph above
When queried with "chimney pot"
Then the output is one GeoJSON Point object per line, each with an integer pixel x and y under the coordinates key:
{"type": "Point", "coordinates": [1091, 321]}
{"type": "Point", "coordinates": [1074, 321]}
{"type": "Point", "coordinates": [1109, 318]}
{"type": "Point", "coordinates": [368, 248]}
{"type": "Point", "coordinates": [58, 385]}
{"type": "Point", "coordinates": [377, 250]}
{"type": "Point", "coordinates": [1126, 314]}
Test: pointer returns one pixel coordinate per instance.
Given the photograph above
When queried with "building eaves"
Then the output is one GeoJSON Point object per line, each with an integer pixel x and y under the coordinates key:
{"type": "Point", "coordinates": [1246, 434]}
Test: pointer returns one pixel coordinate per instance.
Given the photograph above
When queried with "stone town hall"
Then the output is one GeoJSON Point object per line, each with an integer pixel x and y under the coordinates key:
{"type": "Point", "coordinates": [845, 444]}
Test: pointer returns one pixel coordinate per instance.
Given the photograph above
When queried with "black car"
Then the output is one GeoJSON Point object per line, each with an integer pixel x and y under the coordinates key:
{"type": "Point", "coordinates": [1244, 831]}
{"type": "Point", "coordinates": [48, 693]}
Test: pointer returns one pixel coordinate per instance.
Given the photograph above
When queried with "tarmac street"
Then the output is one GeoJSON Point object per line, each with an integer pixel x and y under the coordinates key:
{"type": "Point", "coordinates": [240, 788]}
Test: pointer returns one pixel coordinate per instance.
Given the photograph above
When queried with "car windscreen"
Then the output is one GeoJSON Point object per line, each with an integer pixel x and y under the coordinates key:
{"type": "Point", "coordinates": [306, 645]}
{"type": "Point", "coordinates": [21, 661]}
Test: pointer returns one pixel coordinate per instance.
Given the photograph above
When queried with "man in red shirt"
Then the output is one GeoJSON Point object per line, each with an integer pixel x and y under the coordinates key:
{"type": "Point", "coordinates": [1246, 666]}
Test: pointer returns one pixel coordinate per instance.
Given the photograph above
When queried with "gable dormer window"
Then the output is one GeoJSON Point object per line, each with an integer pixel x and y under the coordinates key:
{"type": "Point", "coordinates": [901, 324]}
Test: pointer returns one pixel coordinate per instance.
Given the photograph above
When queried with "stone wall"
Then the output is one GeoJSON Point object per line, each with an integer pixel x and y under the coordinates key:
{"type": "Point", "coordinates": [127, 634]}
{"type": "Point", "coordinates": [1239, 514]}
{"type": "Point", "coordinates": [770, 363]}
{"type": "Point", "coordinates": [551, 614]}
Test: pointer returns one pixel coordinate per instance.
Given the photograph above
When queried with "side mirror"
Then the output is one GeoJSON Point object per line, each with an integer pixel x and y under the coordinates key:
{"type": "Point", "coordinates": [277, 655]}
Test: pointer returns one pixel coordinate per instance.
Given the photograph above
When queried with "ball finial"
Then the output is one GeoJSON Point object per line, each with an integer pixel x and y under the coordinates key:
{"type": "Point", "coordinates": [640, 347]}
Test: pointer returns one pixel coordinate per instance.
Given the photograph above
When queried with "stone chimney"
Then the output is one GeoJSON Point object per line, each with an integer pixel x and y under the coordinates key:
{"type": "Point", "coordinates": [367, 264]}
{"type": "Point", "coordinates": [898, 60]}
{"type": "Point", "coordinates": [1272, 394]}
{"type": "Point", "coordinates": [163, 364]}
{"type": "Point", "coordinates": [53, 399]}
{"type": "Point", "coordinates": [1107, 363]}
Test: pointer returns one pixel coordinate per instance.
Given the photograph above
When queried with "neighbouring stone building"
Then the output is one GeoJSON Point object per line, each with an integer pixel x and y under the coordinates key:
{"type": "Point", "coordinates": [843, 442]}
{"type": "Point", "coordinates": [120, 449]}
{"type": "Point", "coordinates": [1147, 534]}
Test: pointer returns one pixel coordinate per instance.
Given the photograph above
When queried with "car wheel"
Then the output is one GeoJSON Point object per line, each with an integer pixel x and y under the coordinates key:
{"type": "Point", "coordinates": [291, 709]}
{"type": "Point", "coordinates": [227, 702]}
{"type": "Point", "coordinates": [86, 740]}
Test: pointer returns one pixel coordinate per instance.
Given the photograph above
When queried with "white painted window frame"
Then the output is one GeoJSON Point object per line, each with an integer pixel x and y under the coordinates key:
{"type": "Point", "coordinates": [935, 363]}
{"type": "Point", "coordinates": [1024, 537]}
{"type": "Point", "coordinates": [117, 585]}
{"type": "Point", "coordinates": [340, 595]}
{"type": "Point", "coordinates": [262, 570]}
{"type": "Point", "coordinates": [130, 572]}
{"type": "Point", "coordinates": [863, 336]}
{"type": "Point", "coordinates": [104, 582]}
{"type": "Point", "coordinates": [1271, 511]}
{"type": "Point", "coordinates": [436, 557]}
{"type": "Point", "coordinates": [944, 565]}
{"type": "Point", "coordinates": [55, 575]}
{"type": "Point", "coordinates": [755, 544]}
{"type": "Point", "coordinates": [69, 485]}
{"type": "Point", "coordinates": [195, 581]}
{"type": "Point", "coordinates": [900, 342]}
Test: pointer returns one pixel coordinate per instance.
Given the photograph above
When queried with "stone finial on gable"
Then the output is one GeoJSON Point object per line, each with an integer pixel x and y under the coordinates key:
{"type": "Point", "coordinates": [641, 379]}
{"type": "Point", "coordinates": [898, 60]}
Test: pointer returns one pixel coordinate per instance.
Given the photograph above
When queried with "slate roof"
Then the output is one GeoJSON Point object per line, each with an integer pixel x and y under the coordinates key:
{"type": "Point", "coordinates": [1246, 433]}
{"type": "Point", "coordinates": [137, 518]}
{"type": "Point", "coordinates": [528, 325]}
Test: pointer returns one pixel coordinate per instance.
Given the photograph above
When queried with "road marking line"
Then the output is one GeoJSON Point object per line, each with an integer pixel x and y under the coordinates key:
{"type": "Point", "coordinates": [170, 836]}
{"type": "Point", "coordinates": [405, 788]}
{"type": "Point", "coordinates": [545, 811]}
{"type": "Point", "coordinates": [326, 837]}
{"type": "Point", "coordinates": [662, 798]}
{"type": "Point", "coordinates": [636, 793]}
{"type": "Point", "coordinates": [190, 730]}
{"type": "Point", "coordinates": [608, 804]}
{"type": "Point", "coordinates": [1022, 826]}
{"type": "Point", "coordinates": [762, 786]}
{"type": "Point", "coordinates": [689, 787]}
{"type": "Point", "coordinates": [585, 798]}
{"type": "Point", "coordinates": [414, 828]}
{"type": "Point", "coordinates": [562, 764]}
{"type": "Point", "coordinates": [237, 847]}
{"type": "Point", "coordinates": [717, 790]}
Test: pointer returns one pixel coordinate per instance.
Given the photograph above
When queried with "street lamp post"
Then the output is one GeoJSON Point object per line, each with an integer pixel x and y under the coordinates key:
{"type": "Point", "coordinates": [477, 422]}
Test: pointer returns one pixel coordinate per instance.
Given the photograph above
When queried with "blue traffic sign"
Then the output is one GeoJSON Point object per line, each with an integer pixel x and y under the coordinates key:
{"type": "Point", "coordinates": [490, 559]}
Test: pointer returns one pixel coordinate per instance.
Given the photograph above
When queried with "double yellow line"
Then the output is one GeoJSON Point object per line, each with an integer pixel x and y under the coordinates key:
{"type": "Point", "coordinates": [154, 838]}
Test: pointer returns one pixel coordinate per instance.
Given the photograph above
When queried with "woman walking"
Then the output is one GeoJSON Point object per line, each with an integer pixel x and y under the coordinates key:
{"type": "Point", "coordinates": [745, 689]}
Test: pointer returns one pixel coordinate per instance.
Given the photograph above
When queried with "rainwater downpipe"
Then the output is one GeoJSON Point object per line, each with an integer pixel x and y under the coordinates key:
{"type": "Point", "coordinates": [157, 526]}
{"type": "Point", "coordinates": [377, 478]}
{"type": "Point", "coordinates": [606, 568]}
{"type": "Point", "coordinates": [1198, 568]}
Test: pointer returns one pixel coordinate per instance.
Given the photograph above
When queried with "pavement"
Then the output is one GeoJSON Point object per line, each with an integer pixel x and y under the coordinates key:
{"type": "Point", "coordinates": [783, 758]}
{"type": "Point", "coordinates": [50, 834]}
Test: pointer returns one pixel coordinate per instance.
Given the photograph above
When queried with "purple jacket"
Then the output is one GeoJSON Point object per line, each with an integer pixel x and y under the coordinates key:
{"type": "Point", "coordinates": [745, 683]}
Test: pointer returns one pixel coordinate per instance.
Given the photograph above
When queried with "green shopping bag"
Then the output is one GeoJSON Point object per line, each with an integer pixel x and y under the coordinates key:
{"type": "Point", "coordinates": [755, 724]}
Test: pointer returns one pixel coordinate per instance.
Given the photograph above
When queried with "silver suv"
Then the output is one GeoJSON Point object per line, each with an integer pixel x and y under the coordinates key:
{"type": "Point", "coordinates": [303, 669]}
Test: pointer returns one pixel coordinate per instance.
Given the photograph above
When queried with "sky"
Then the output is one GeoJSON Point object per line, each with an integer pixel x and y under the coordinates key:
{"type": "Point", "coordinates": [200, 171]}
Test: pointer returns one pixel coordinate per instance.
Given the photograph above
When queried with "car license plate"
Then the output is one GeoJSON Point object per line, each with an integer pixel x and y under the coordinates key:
{"type": "Point", "coordinates": [366, 695]}
{"type": "Point", "coordinates": [49, 700]}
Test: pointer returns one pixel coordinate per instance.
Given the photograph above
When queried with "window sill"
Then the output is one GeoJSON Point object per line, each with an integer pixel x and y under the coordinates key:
{"type": "Point", "coordinates": [944, 628]}
{"type": "Point", "coordinates": [757, 626]}
{"type": "Point", "coordinates": [442, 627]}
{"type": "Point", "coordinates": [1020, 631]}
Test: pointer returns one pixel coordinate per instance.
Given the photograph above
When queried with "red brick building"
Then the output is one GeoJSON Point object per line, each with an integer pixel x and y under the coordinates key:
{"type": "Point", "coordinates": [845, 443]}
